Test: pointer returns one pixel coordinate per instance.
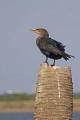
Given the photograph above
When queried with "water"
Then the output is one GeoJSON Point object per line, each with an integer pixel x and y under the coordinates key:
{"type": "Point", "coordinates": [16, 116]}
{"type": "Point", "coordinates": [76, 116]}
{"type": "Point", "coordinates": [27, 116]}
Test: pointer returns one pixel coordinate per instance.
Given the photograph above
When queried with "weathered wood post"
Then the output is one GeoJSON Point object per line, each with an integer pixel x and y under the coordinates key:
{"type": "Point", "coordinates": [54, 93]}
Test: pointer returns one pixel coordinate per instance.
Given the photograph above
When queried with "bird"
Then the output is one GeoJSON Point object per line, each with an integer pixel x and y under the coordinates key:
{"type": "Point", "coordinates": [49, 47]}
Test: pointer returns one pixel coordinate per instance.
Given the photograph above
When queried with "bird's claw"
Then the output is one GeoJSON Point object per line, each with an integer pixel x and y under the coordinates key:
{"type": "Point", "coordinates": [46, 62]}
{"type": "Point", "coordinates": [52, 65]}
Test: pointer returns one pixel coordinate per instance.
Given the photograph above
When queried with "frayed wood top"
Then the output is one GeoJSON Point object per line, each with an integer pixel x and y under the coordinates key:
{"type": "Point", "coordinates": [45, 65]}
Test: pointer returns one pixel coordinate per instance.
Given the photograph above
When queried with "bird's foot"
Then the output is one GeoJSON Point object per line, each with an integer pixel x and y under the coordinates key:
{"type": "Point", "coordinates": [46, 62]}
{"type": "Point", "coordinates": [52, 65]}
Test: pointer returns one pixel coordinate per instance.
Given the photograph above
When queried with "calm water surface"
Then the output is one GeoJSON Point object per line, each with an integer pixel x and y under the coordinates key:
{"type": "Point", "coordinates": [27, 116]}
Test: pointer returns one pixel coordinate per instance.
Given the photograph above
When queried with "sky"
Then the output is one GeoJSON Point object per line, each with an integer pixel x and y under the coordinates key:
{"type": "Point", "coordinates": [20, 58]}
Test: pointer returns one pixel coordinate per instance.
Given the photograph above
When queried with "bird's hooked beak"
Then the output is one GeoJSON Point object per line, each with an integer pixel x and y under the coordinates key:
{"type": "Point", "coordinates": [35, 31]}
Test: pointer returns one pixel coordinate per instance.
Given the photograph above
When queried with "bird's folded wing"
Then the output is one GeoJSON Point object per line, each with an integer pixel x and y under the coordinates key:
{"type": "Point", "coordinates": [49, 47]}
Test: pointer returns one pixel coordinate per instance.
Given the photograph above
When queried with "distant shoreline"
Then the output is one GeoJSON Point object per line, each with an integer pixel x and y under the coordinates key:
{"type": "Point", "coordinates": [17, 106]}
{"type": "Point", "coordinates": [26, 106]}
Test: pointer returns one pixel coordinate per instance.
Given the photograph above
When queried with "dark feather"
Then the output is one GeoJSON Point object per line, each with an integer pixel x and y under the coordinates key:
{"type": "Point", "coordinates": [52, 48]}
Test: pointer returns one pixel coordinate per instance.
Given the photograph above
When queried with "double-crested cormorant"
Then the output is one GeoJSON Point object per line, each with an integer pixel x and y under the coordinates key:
{"type": "Point", "coordinates": [50, 47]}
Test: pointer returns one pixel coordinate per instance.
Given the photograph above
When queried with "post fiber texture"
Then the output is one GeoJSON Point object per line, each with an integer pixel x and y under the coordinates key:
{"type": "Point", "coordinates": [54, 93]}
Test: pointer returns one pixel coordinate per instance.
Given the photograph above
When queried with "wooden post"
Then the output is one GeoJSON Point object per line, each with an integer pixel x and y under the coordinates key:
{"type": "Point", "coordinates": [54, 94]}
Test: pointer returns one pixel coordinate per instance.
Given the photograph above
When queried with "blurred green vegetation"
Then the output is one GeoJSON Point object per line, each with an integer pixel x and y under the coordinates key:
{"type": "Point", "coordinates": [76, 96]}
{"type": "Point", "coordinates": [26, 97]}
{"type": "Point", "coordinates": [17, 97]}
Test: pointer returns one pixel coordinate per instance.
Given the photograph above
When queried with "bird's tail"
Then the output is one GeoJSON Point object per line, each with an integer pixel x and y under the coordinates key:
{"type": "Point", "coordinates": [67, 56]}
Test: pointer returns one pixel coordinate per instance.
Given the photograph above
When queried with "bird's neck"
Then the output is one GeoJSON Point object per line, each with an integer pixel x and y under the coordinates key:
{"type": "Point", "coordinates": [41, 38]}
{"type": "Point", "coordinates": [46, 35]}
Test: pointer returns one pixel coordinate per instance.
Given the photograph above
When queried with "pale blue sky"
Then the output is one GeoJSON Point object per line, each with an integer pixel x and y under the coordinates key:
{"type": "Point", "coordinates": [20, 58]}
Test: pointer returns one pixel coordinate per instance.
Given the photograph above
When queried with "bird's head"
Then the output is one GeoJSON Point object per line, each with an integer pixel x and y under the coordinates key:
{"type": "Point", "coordinates": [42, 32]}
